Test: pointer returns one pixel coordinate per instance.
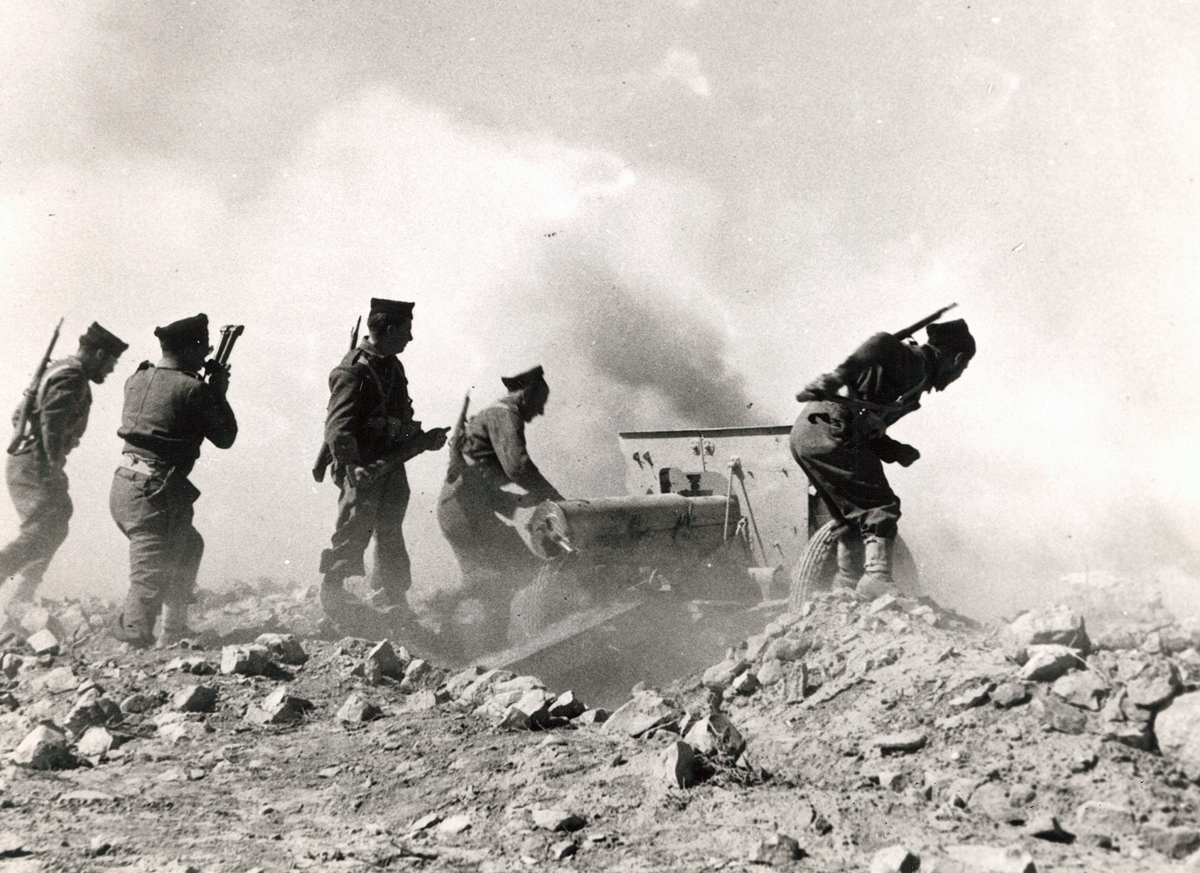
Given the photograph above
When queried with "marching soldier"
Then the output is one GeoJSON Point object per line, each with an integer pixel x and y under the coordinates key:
{"type": "Point", "coordinates": [170, 410]}
{"type": "Point", "coordinates": [475, 510]}
{"type": "Point", "coordinates": [841, 442]}
{"type": "Point", "coordinates": [370, 433]}
{"type": "Point", "coordinates": [36, 473]}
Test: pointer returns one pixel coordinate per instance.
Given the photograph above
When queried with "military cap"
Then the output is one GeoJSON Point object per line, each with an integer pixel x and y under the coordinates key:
{"type": "Point", "coordinates": [524, 380]}
{"type": "Point", "coordinates": [99, 338]}
{"type": "Point", "coordinates": [194, 329]}
{"type": "Point", "coordinates": [396, 308]}
{"type": "Point", "coordinates": [951, 336]}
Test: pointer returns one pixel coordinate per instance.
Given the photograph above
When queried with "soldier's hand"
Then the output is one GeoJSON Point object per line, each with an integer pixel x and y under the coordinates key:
{"type": "Point", "coordinates": [436, 438]}
{"type": "Point", "coordinates": [819, 388]}
{"type": "Point", "coordinates": [905, 454]}
{"type": "Point", "coordinates": [355, 474]}
{"type": "Point", "coordinates": [218, 378]}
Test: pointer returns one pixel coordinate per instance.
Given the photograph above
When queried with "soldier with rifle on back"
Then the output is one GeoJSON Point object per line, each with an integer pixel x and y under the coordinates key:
{"type": "Point", "coordinates": [840, 439]}
{"type": "Point", "coordinates": [170, 410]}
{"type": "Point", "coordinates": [48, 424]}
{"type": "Point", "coordinates": [370, 433]}
{"type": "Point", "coordinates": [475, 509]}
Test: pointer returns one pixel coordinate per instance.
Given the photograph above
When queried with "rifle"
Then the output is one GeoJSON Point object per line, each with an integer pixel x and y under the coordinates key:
{"type": "Point", "coordinates": [325, 455]}
{"type": "Point", "coordinates": [455, 468]}
{"type": "Point", "coordinates": [923, 323]}
{"type": "Point", "coordinates": [24, 415]}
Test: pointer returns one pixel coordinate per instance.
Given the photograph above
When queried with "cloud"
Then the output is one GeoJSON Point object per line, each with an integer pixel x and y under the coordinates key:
{"type": "Point", "coordinates": [684, 67]}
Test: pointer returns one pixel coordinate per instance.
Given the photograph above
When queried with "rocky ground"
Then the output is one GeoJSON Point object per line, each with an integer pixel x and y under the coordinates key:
{"type": "Point", "coordinates": [883, 736]}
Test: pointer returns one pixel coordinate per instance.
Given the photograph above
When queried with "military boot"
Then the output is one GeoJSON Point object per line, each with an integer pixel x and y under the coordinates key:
{"type": "Point", "coordinates": [335, 599]}
{"type": "Point", "coordinates": [174, 625]}
{"type": "Point", "coordinates": [877, 578]}
{"type": "Point", "coordinates": [135, 624]}
{"type": "Point", "coordinates": [850, 560]}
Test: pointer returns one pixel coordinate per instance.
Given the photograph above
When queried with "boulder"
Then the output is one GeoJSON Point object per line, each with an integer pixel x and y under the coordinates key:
{"type": "Point", "coordinates": [1177, 729]}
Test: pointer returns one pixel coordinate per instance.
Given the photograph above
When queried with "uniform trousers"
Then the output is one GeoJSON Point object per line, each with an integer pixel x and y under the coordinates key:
{"type": "Point", "coordinates": [155, 513]}
{"type": "Point", "coordinates": [837, 457]}
{"type": "Point", "coordinates": [374, 509]}
{"type": "Point", "coordinates": [39, 494]}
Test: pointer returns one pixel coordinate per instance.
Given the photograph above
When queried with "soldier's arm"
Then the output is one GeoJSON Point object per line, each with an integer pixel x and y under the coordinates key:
{"type": "Point", "coordinates": [62, 404]}
{"type": "Point", "coordinates": [880, 349]}
{"type": "Point", "coordinates": [507, 433]}
{"type": "Point", "coordinates": [340, 418]}
{"type": "Point", "coordinates": [218, 423]}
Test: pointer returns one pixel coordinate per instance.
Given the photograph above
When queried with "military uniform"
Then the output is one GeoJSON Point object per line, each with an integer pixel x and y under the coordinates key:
{"type": "Point", "coordinates": [370, 416]}
{"type": "Point", "coordinates": [36, 475]}
{"type": "Point", "coordinates": [475, 510]}
{"type": "Point", "coordinates": [169, 412]}
{"type": "Point", "coordinates": [842, 446]}
{"type": "Point", "coordinates": [842, 450]}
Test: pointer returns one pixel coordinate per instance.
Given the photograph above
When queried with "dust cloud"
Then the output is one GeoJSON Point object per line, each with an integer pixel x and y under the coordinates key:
{"type": "Point", "coordinates": [654, 295]}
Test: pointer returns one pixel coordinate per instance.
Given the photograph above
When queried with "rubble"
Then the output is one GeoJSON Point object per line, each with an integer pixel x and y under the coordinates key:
{"type": "Point", "coordinates": [839, 733]}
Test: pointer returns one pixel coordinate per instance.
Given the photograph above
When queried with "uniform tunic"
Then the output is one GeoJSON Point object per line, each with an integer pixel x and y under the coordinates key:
{"type": "Point", "coordinates": [36, 477]}
{"type": "Point", "coordinates": [842, 451]}
{"type": "Point", "coordinates": [370, 416]}
{"type": "Point", "coordinates": [471, 509]}
{"type": "Point", "coordinates": [168, 414]}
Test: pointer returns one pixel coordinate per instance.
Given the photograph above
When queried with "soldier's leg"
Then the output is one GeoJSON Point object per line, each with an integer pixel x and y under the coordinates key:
{"type": "Point", "coordinates": [44, 509]}
{"type": "Point", "coordinates": [145, 522]}
{"type": "Point", "coordinates": [391, 576]}
{"type": "Point", "coordinates": [850, 558]}
{"type": "Point", "coordinates": [188, 550]}
{"type": "Point", "coordinates": [356, 521]}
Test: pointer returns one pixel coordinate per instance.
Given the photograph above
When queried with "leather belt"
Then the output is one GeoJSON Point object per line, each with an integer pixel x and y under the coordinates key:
{"type": "Point", "coordinates": [147, 468]}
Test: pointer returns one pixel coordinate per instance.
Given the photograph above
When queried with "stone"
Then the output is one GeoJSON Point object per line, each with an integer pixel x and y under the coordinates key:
{"type": "Point", "coordinates": [1177, 729]}
{"type": "Point", "coordinates": [992, 859]}
{"type": "Point", "coordinates": [777, 849]}
{"type": "Point", "coordinates": [679, 766]}
{"type": "Point", "coordinates": [567, 706]}
{"type": "Point", "coordinates": [194, 664]}
{"type": "Point", "coordinates": [1044, 826]}
{"type": "Point", "coordinates": [455, 824]}
{"type": "Point", "coordinates": [1081, 688]}
{"type": "Point", "coordinates": [95, 743]}
{"type": "Point", "coordinates": [386, 659]}
{"type": "Point", "coordinates": [252, 660]}
{"type": "Point", "coordinates": [279, 707]}
{"type": "Point", "coordinates": [792, 647]}
{"type": "Point", "coordinates": [357, 710]}
{"type": "Point", "coordinates": [459, 682]}
{"type": "Point", "coordinates": [973, 697]}
{"type": "Point", "coordinates": [895, 859]}
{"type": "Point", "coordinates": [1057, 625]}
{"type": "Point", "coordinates": [10, 664]}
{"type": "Point", "coordinates": [1154, 687]}
{"type": "Point", "coordinates": [138, 703]}
{"type": "Point", "coordinates": [593, 716]}
{"type": "Point", "coordinates": [1059, 716]}
{"type": "Point", "coordinates": [425, 700]}
{"type": "Point", "coordinates": [56, 681]}
{"type": "Point", "coordinates": [89, 712]}
{"type": "Point", "coordinates": [195, 698]}
{"type": "Point", "coordinates": [720, 676]}
{"type": "Point", "coordinates": [716, 736]}
{"type": "Point", "coordinates": [44, 748]}
{"type": "Point", "coordinates": [770, 672]}
{"type": "Point", "coordinates": [1136, 735]}
{"type": "Point", "coordinates": [644, 712]}
{"type": "Point", "coordinates": [745, 684]}
{"type": "Point", "coordinates": [555, 819]}
{"type": "Point", "coordinates": [900, 742]}
{"type": "Point", "coordinates": [1006, 695]}
{"type": "Point", "coordinates": [1105, 818]}
{"type": "Point", "coordinates": [1174, 842]}
{"type": "Point", "coordinates": [284, 648]}
{"type": "Point", "coordinates": [43, 643]}
{"type": "Point", "coordinates": [562, 850]}
{"type": "Point", "coordinates": [1046, 663]}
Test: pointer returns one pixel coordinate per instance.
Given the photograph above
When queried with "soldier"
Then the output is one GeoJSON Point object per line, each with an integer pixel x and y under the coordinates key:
{"type": "Point", "coordinates": [170, 410]}
{"type": "Point", "coordinates": [475, 510]}
{"type": "Point", "coordinates": [36, 474]}
{"type": "Point", "coordinates": [841, 442]}
{"type": "Point", "coordinates": [369, 434]}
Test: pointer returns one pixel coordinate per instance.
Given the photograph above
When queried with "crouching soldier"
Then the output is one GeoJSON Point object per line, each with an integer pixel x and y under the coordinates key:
{"type": "Point", "coordinates": [475, 510]}
{"type": "Point", "coordinates": [369, 435]}
{"type": "Point", "coordinates": [841, 441]}
{"type": "Point", "coordinates": [37, 478]}
{"type": "Point", "coordinates": [170, 410]}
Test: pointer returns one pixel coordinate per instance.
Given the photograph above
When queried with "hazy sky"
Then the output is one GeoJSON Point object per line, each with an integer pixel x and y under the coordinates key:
{"type": "Point", "coordinates": [684, 210]}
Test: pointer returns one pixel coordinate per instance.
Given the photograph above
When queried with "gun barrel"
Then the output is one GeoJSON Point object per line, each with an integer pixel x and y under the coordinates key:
{"type": "Point", "coordinates": [229, 335]}
{"type": "Point", "coordinates": [923, 323]}
{"type": "Point", "coordinates": [30, 399]}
